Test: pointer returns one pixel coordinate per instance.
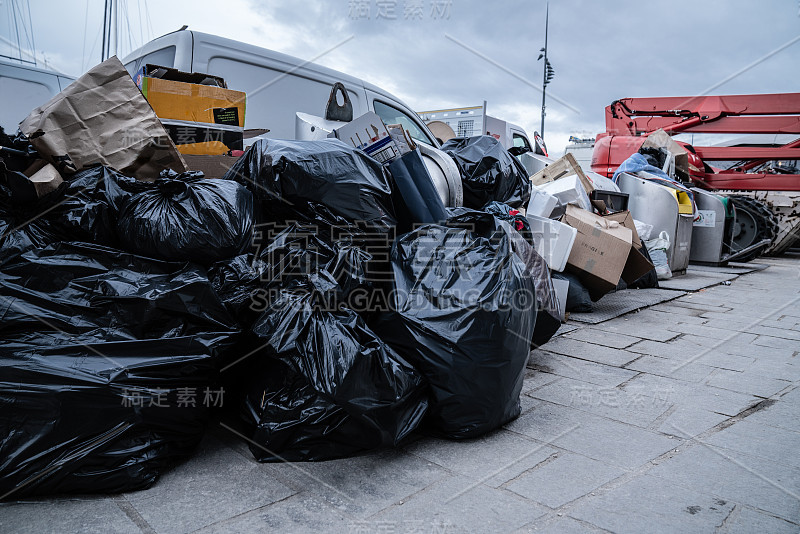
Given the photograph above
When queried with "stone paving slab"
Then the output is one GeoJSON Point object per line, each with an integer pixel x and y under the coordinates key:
{"type": "Point", "coordinates": [647, 504]}
{"type": "Point", "coordinates": [693, 281]}
{"type": "Point", "coordinates": [735, 476]}
{"type": "Point", "coordinates": [566, 478]}
{"type": "Point", "coordinates": [738, 269]}
{"type": "Point", "coordinates": [456, 505]}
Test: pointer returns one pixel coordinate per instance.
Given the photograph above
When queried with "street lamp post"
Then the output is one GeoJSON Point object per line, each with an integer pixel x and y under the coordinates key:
{"type": "Point", "coordinates": [548, 72]}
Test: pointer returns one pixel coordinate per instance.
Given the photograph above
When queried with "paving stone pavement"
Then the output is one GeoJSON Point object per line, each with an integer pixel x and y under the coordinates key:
{"type": "Point", "coordinates": [683, 417]}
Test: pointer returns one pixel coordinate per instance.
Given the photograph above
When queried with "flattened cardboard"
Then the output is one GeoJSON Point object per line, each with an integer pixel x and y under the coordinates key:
{"type": "Point", "coordinates": [661, 139]}
{"type": "Point", "coordinates": [368, 133]}
{"type": "Point", "coordinates": [600, 252]}
{"type": "Point", "coordinates": [103, 118]}
{"type": "Point", "coordinates": [564, 166]}
{"type": "Point", "coordinates": [637, 264]}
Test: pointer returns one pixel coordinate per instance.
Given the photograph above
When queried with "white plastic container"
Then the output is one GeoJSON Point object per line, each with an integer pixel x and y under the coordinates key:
{"type": "Point", "coordinates": [569, 190]}
{"type": "Point", "coordinates": [542, 203]}
{"type": "Point", "coordinates": [553, 240]}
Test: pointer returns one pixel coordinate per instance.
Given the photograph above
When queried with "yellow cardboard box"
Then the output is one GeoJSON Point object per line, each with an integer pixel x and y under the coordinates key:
{"type": "Point", "coordinates": [172, 95]}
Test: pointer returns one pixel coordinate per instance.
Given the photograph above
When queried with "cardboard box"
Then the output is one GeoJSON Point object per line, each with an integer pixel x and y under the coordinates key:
{"type": "Point", "coordinates": [212, 166]}
{"type": "Point", "coordinates": [661, 139]}
{"type": "Point", "coordinates": [204, 139]}
{"type": "Point", "coordinates": [369, 134]}
{"type": "Point", "coordinates": [102, 118]}
{"type": "Point", "coordinates": [187, 96]}
{"type": "Point", "coordinates": [561, 168]}
{"type": "Point", "coordinates": [637, 264]}
{"type": "Point", "coordinates": [600, 252]}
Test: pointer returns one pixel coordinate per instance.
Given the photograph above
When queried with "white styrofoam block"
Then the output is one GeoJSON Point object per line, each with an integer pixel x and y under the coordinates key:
{"type": "Point", "coordinates": [569, 190]}
{"type": "Point", "coordinates": [562, 288]}
{"type": "Point", "coordinates": [542, 203]}
{"type": "Point", "coordinates": [601, 182]}
{"type": "Point", "coordinates": [553, 240]}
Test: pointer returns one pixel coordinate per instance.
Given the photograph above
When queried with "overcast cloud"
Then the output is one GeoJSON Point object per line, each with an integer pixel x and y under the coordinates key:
{"type": "Point", "coordinates": [601, 51]}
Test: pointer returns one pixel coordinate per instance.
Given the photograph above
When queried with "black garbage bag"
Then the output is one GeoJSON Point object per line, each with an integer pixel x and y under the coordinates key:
{"type": "Point", "coordinates": [107, 361]}
{"type": "Point", "coordinates": [513, 216]}
{"type": "Point", "coordinates": [24, 227]}
{"type": "Point", "coordinates": [16, 153]}
{"type": "Point", "coordinates": [83, 208]}
{"type": "Point", "coordinates": [329, 172]}
{"type": "Point", "coordinates": [357, 260]}
{"type": "Point", "coordinates": [90, 204]}
{"type": "Point", "coordinates": [187, 218]}
{"type": "Point", "coordinates": [578, 299]}
{"type": "Point", "coordinates": [324, 386]}
{"type": "Point", "coordinates": [463, 314]}
{"type": "Point", "coordinates": [488, 172]}
{"type": "Point", "coordinates": [548, 319]}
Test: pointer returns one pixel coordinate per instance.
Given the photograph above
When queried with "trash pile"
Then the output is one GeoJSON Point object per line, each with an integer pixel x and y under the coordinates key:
{"type": "Point", "coordinates": [581, 226]}
{"type": "Point", "coordinates": [319, 297]}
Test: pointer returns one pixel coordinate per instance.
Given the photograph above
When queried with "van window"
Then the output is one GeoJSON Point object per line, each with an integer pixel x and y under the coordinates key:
{"type": "Point", "coordinates": [392, 115]}
{"type": "Point", "coordinates": [20, 97]}
{"type": "Point", "coordinates": [164, 57]}
{"type": "Point", "coordinates": [520, 140]}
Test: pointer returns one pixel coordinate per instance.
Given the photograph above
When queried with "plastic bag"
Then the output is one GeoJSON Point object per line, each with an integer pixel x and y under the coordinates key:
{"type": "Point", "coordinates": [292, 251]}
{"type": "Point", "coordinates": [187, 218]}
{"type": "Point", "coordinates": [329, 172]}
{"type": "Point", "coordinates": [488, 172]}
{"type": "Point", "coordinates": [324, 386]}
{"type": "Point", "coordinates": [643, 229]}
{"type": "Point", "coordinates": [463, 315]}
{"type": "Point", "coordinates": [658, 254]}
{"type": "Point", "coordinates": [548, 319]}
{"type": "Point", "coordinates": [97, 349]}
{"type": "Point", "coordinates": [83, 208]}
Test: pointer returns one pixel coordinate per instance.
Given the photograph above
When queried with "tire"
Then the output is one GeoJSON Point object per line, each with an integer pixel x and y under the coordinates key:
{"type": "Point", "coordinates": [755, 222]}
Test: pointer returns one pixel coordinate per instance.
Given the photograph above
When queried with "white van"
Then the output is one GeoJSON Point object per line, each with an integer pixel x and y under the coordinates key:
{"type": "Point", "coordinates": [277, 85]}
{"type": "Point", "coordinates": [24, 88]}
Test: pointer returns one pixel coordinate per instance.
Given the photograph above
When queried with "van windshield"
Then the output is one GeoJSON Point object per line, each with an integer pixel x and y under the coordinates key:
{"type": "Point", "coordinates": [392, 115]}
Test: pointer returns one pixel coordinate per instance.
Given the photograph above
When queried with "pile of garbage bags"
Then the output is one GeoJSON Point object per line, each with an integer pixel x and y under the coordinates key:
{"type": "Point", "coordinates": [489, 172]}
{"type": "Point", "coordinates": [279, 298]}
{"type": "Point", "coordinates": [105, 359]}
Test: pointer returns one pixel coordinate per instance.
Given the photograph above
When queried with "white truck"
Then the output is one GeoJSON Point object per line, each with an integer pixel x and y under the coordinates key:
{"type": "Point", "coordinates": [473, 120]}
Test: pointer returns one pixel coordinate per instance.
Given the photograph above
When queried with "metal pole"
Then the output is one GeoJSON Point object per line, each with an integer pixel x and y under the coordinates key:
{"type": "Point", "coordinates": [544, 68]}
{"type": "Point", "coordinates": [105, 22]}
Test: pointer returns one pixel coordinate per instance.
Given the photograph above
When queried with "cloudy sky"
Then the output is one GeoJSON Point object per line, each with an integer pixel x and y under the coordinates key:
{"type": "Point", "coordinates": [440, 53]}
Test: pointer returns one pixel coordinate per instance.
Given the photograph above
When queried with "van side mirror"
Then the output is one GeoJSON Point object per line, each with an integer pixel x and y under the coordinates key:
{"type": "Point", "coordinates": [336, 112]}
{"type": "Point", "coordinates": [518, 150]}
